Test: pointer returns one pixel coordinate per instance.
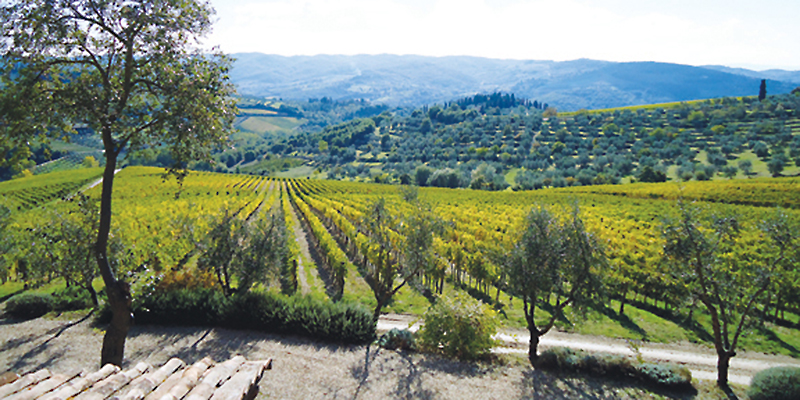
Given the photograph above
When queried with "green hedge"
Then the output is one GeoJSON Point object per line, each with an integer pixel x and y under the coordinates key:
{"type": "Point", "coordinates": [262, 311]}
{"type": "Point", "coordinates": [29, 305]}
{"type": "Point", "coordinates": [614, 366]}
{"type": "Point", "coordinates": [779, 383]}
{"type": "Point", "coordinates": [71, 298]}
{"type": "Point", "coordinates": [397, 339]}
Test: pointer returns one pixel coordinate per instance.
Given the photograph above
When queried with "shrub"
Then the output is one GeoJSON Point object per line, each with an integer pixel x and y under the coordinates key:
{"type": "Point", "coordinates": [669, 375]}
{"type": "Point", "coordinates": [459, 326]}
{"type": "Point", "coordinates": [610, 365]}
{"type": "Point", "coordinates": [181, 307]}
{"type": "Point", "coordinates": [71, 298]}
{"type": "Point", "coordinates": [559, 359]}
{"type": "Point", "coordinates": [186, 279]}
{"type": "Point", "coordinates": [29, 305]}
{"type": "Point", "coordinates": [253, 310]}
{"type": "Point", "coordinates": [347, 322]}
{"type": "Point", "coordinates": [261, 311]}
{"type": "Point", "coordinates": [614, 366]}
{"type": "Point", "coordinates": [398, 339]}
{"type": "Point", "coordinates": [779, 383]}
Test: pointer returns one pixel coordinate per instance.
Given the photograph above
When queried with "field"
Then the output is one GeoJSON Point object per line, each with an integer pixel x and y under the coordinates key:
{"type": "Point", "coordinates": [331, 214]}
{"type": "Point", "coordinates": [26, 193]}
{"type": "Point", "coordinates": [272, 124]}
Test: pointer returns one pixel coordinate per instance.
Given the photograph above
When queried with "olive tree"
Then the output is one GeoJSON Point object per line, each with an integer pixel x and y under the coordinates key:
{"type": "Point", "coordinates": [707, 257]}
{"type": "Point", "coordinates": [553, 265]}
{"type": "Point", "coordinates": [132, 71]}
{"type": "Point", "coordinates": [74, 230]}
{"type": "Point", "coordinates": [397, 251]}
{"type": "Point", "coordinates": [245, 252]}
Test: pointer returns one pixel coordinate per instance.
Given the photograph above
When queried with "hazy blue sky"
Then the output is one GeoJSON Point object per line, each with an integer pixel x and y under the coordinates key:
{"type": "Point", "coordinates": [753, 34]}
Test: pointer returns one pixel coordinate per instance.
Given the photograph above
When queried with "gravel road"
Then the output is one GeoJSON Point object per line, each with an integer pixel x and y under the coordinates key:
{"type": "Point", "coordinates": [702, 361]}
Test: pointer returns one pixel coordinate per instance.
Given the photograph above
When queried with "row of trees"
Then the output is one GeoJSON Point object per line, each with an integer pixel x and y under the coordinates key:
{"type": "Point", "coordinates": [556, 263]}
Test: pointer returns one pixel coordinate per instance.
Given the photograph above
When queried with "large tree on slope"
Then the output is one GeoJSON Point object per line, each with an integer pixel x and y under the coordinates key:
{"type": "Point", "coordinates": [729, 270]}
{"type": "Point", "coordinates": [133, 71]}
{"type": "Point", "coordinates": [554, 264]}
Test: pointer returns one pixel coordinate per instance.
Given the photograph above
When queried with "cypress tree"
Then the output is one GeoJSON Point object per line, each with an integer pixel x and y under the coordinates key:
{"type": "Point", "coordinates": [762, 91]}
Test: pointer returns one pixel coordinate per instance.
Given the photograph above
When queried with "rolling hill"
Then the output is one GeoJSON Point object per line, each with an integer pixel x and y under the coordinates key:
{"type": "Point", "coordinates": [411, 80]}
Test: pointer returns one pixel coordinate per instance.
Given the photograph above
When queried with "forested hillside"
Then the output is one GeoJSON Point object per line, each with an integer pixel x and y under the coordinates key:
{"type": "Point", "coordinates": [491, 142]}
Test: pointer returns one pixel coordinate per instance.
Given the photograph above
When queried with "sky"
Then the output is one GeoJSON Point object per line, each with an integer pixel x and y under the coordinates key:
{"type": "Point", "coordinates": [749, 34]}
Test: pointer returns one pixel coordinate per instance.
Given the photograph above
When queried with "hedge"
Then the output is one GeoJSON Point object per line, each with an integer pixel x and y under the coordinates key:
{"type": "Point", "coordinates": [29, 305]}
{"type": "Point", "coordinates": [614, 366]}
{"type": "Point", "coordinates": [261, 311]}
{"type": "Point", "coordinates": [778, 383]}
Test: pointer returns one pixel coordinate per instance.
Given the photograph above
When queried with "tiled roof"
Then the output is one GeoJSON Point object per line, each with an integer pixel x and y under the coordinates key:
{"type": "Point", "coordinates": [236, 379]}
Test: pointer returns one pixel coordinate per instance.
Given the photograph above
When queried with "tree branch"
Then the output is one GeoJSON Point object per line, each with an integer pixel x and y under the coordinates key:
{"type": "Point", "coordinates": [80, 17]}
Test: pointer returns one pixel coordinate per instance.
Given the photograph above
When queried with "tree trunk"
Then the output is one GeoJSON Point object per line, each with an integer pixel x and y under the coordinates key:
{"type": "Point", "coordinates": [723, 364]}
{"type": "Point", "coordinates": [622, 302]}
{"type": "Point", "coordinates": [777, 306]}
{"type": "Point", "coordinates": [114, 340]}
{"type": "Point", "coordinates": [377, 313]}
{"type": "Point", "coordinates": [119, 296]}
{"type": "Point", "coordinates": [92, 294]}
{"type": "Point", "coordinates": [533, 347]}
{"type": "Point", "coordinates": [339, 285]}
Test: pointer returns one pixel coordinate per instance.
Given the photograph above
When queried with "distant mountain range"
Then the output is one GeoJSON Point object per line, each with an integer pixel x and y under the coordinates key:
{"type": "Point", "coordinates": [569, 85]}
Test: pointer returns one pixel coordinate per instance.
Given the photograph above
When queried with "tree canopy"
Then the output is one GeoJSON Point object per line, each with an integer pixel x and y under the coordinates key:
{"type": "Point", "coordinates": [131, 71]}
{"type": "Point", "coordinates": [553, 265]}
{"type": "Point", "coordinates": [720, 268]}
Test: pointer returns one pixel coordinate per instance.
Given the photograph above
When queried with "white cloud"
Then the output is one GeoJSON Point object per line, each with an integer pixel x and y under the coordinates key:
{"type": "Point", "coordinates": [730, 33]}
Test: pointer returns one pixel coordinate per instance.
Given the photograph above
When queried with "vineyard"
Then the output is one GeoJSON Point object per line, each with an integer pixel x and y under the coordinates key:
{"type": "Point", "coordinates": [766, 192]}
{"type": "Point", "coordinates": [26, 193]}
{"type": "Point", "coordinates": [645, 299]}
{"type": "Point", "coordinates": [69, 162]}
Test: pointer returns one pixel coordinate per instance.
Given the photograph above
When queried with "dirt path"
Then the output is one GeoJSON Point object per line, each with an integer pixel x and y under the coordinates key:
{"type": "Point", "coordinates": [701, 360]}
{"type": "Point", "coordinates": [263, 206]}
{"type": "Point", "coordinates": [302, 368]}
{"type": "Point", "coordinates": [97, 182]}
{"type": "Point", "coordinates": [302, 243]}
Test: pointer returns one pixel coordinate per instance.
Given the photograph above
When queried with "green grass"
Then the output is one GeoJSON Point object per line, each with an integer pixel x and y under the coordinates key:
{"type": "Point", "coordinates": [357, 290]}
{"type": "Point", "coordinates": [271, 166]}
{"type": "Point", "coordinates": [62, 146]}
{"type": "Point", "coordinates": [13, 287]}
{"type": "Point", "coordinates": [286, 123]}
{"type": "Point", "coordinates": [759, 167]}
{"type": "Point", "coordinates": [297, 172]}
{"type": "Point", "coordinates": [635, 323]}
{"type": "Point", "coordinates": [634, 108]}
{"type": "Point", "coordinates": [315, 284]}
{"type": "Point", "coordinates": [511, 176]}
{"type": "Point", "coordinates": [266, 124]}
{"type": "Point", "coordinates": [407, 301]}
{"type": "Point", "coordinates": [672, 173]}
{"type": "Point", "coordinates": [257, 111]}
{"type": "Point", "coordinates": [10, 288]}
